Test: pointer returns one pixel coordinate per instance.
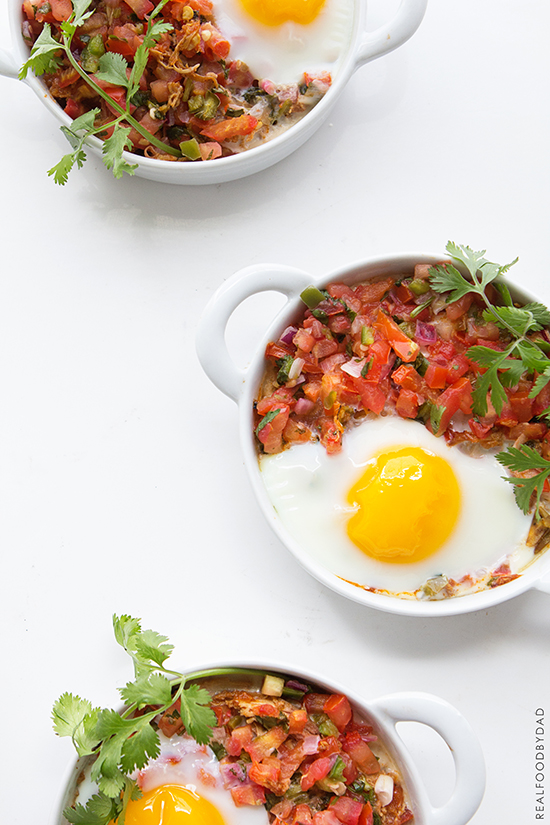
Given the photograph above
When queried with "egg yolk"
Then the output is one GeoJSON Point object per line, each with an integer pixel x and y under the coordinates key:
{"type": "Point", "coordinates": [277, 12]}
{"type": "Point", "coordinates": [172, 805]}
{"type": "Point", "coordinates": [408, 502]}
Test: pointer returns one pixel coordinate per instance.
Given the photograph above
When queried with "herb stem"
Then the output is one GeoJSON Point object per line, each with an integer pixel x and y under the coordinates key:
{"type": "Point", "coordinates": [123, 113]}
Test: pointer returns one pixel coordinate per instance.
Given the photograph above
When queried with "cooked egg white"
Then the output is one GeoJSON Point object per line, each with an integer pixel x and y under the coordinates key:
{"type": "Point", "coordinates": [396, 506]}
{"type": "Point", "coordinates": [183, 786]}
{"type": "Point", "coordinates": [281, 39]}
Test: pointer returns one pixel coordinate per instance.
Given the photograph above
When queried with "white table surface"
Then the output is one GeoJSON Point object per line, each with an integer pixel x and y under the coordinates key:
{"type": "Point", "coordinates": [122, 487]}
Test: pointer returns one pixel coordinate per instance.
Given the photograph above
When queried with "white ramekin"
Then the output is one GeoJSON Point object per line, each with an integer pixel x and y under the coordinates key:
{"type": "Point", "coordinates": [364, 47]}
{"type": "Point", "coordinates": [242, 386]}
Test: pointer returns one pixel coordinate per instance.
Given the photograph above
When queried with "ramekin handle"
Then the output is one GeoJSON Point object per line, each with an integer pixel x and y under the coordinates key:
{"type": "Point", "coordinates": [462, 742]}
{"type": "Point", "coordinates": [393, 34]}
{"type": "Point", "coordinates": [210, 340]}
{"type": "Point", "coordinates": [8, 64]}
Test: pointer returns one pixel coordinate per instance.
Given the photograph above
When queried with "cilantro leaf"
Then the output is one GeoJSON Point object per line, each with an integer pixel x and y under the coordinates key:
{"type": "Point", "coordinates": [541, 382]}
{"type": "Point", "coordinates": [522, 460]}
{"type": "Point", "coordinates": [44, 54]}
{"type": "Point", "coordinates": [140, 748]}
{"type": "Point", "coordinates": [448, 279]}
{"type": "Point", "coordinates": [198, 717]}
{"type": "Point", "coordinates": [112, 69]}
{"type": "Point", "coordinates": [99, 810]}
{"type": "Point", "coordinates": [147, 689]}
{"type": "Point", "coordinates": [112, 149]}
{"type": "Point", "coordinates": [80, 11]}
{"type": "Point", "coordinates": [151, 647]}
{"type": "Point", "coordinates": [488, 383]}
{"type": "Point", "coordinates": [68, 713]}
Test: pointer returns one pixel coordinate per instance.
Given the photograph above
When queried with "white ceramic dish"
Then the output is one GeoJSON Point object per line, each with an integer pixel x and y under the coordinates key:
{"type": "Point", "coordinates": [383, 714]}
{"type": "Point", "coordinates": [241, 386]}
{"type": "Point", "coordinates": [364, 47]}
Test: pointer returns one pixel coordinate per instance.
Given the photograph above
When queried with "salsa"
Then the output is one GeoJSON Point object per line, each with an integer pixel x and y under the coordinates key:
{"type": "Point", "coordinates": [390, 346]}
{"type": "Point", "coordinates": [303, 755]}
{"type": "Point", "coordinates": [193, 97]}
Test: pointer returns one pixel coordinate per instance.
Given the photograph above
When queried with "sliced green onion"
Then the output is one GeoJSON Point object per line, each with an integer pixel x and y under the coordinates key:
{"type": "Point", "coordinates": [367, 336]}
{"type": "Point", "coordinates": [421, 307]}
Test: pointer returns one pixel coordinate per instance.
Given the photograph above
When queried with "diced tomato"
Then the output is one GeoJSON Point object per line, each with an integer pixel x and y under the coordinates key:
{"type": "Point", "coordinates": [297, 720]}
{"type": "Point", "coordinates": [140, 7]}
{"type": "Point", "coordinates": [331, 435]}
{"type": "Point", "coordinates": [324, 347]}
{"type": "Point", "coordinates": [204, 7]}
{"type": "Point", "coordinates": [124, 41]}
{"type": "Point", "coordinates": [373, 291]}
{"type": "Point", "coordinates": [282, 395]}
{"type": "Point", "coordinates": [338, 710]}
{"type": "Point", "coordinates": [522, 406]}
{"type": "Point", "coordinates": [270, 435]}
{"type": "Point", "coordinates": [479, 429]}
{"type": "Point", "coordinates": [442, 352]}
{"type": "Point", "coordinates": [407, 404]}
{"type": "Point", "coordinates": [407, 377]}
{"type": "Point", "coordinates": [325, 818]}
{"type": "Point", "coordinates": [266, 743]}
{"type": "Point", "coordinates": [347, 810]}
{"type": "Point", "coordinates": [61, 9]}
{"type": "Point", "coordinates": [216, 46]}
{"type": "Point", "coordinates": [541, 402]}
{"type": "Point", "coordinates": [170, 721]}
{"type": "Point", "coordinates": [530, 432]}
{"type": "Point", "coordinates": [74, 109]}
{"type": "Point", "coordinates": [315, 702]}
{"type": "Point", "coordinates": [304, 340]}
{"type": "Point", "coordinates": [248, 794]}
{"type": "Point", "coordinates": [436, 377]}
{"type": "Point", "coordinates": [210, 150]}
{"type": "Point", "coordinates": [456, 397]}
{"type": "Point", "coordinates": [278, 350]}
{"type": "Point", "coordinates": [240, 737]}
{"type": "Point", "coordinates": [458, 367]}
{"type": "Point", "coordinates": [456, 309]}
{"type": "Point", "coordinates": [266, 772]}
{"type": "Point", "coordinates": [361, 753]}
{"type": "Point", "coordinates": [402, 345]}
{"type": "Point", "coordinates": [366, 817]}
{"type": "Point", "coordinates": [230, 128]}
{"type": "Point", "coordinates": [329, 745]}
{"type": "Point", "coordinates": [317, 770]}
{"type": "Point", "coordinates": [302, 815]}
{"type": "Point", "coordinates": [403, 293]}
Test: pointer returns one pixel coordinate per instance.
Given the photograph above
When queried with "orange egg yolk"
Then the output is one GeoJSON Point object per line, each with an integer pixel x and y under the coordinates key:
{"type": "Point", "coordinates": [277, 12]}
{"type": "Point", "coordinates": [172, 805]}
{"type": "Point", "coordinates": [408, 502]}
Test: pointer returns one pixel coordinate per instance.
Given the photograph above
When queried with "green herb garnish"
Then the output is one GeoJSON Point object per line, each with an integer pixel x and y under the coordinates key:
{"type": "Point", "coordinates": [120, 742]}
{"type": "Point", "coordinates": [109, 67]}
{"type": "Point", "coordinates": [524, 354]}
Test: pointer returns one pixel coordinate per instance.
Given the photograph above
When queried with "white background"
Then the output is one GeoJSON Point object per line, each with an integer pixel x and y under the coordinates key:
{"type": "Point", "coordinates": [122, 487]}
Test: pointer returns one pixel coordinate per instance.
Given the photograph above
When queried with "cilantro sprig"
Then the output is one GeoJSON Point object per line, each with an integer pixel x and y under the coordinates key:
{"type": "Point", "coordinates": [525, 354]}
{"type": "Point", "coordinates": [122, 743]}
{"type": "Point", "coordinates": [114, 70]}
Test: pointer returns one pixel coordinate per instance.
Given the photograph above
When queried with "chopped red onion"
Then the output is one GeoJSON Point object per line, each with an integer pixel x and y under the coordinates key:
{"type": "Point", "coordinates": [331, 361]}
{"type": "Point", "coordinates": [288, 335]}
{"type": "Point", "coordinates": [303, 407]}
{"type": "Point", "coordinates": [292, 683]}
{"type": "Point", "coordinates": [310, 743]}
{"type": "Point", "coordinates": [354, 367]}
{"type": "Point", "coordinates": [425, 333]}
{"type": "Point", "coordinates": [232, 774]}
